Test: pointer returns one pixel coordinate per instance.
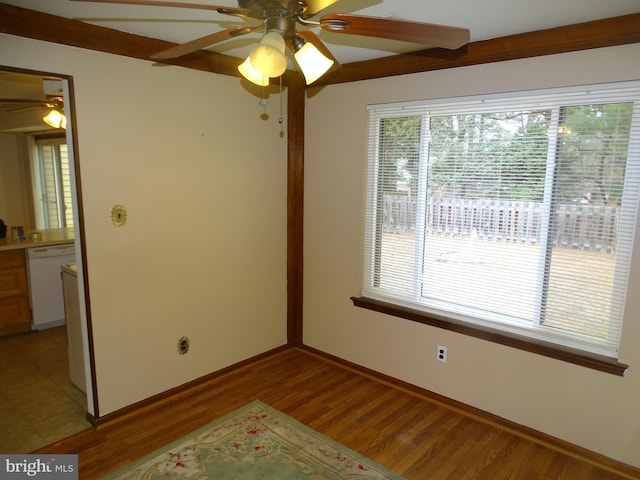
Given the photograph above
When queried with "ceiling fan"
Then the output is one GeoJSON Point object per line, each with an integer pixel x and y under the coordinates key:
{"type": "Point", "coordinates": [54, 105]}
{"type": "Point", "coordinates": [279, 19]}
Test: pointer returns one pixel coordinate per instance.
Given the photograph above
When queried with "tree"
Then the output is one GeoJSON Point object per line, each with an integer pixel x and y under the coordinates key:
{"type": "Point", "coordinates": [400, 140]}
{"type": "Point", "coordinates": [504, 155]}
{"type": "Point", "coordinates": [593, 150]}
{"type": "Point", "coordinates": [489, 155]}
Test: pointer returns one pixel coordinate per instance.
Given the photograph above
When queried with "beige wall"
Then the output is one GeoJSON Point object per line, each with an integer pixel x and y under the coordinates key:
{"type": "Point", "coordinates": [596, 410]}
{"type": "Point", "coordinates": [203, 253]}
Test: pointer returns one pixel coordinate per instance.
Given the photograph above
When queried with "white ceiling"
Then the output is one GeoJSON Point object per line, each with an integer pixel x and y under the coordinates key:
{"type": "Point", "coordinates": [485, 19]}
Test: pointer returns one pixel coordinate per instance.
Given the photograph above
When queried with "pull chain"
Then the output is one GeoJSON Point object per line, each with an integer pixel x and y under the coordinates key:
{"type": "Point", "coordinates": [263, 101]}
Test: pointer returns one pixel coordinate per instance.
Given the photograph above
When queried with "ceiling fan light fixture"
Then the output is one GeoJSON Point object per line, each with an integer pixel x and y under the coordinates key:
{"type": "Point", "coordinates": [250, 73]}
{"type": "Point", "coordinates": [312, 62]}
{"type": "Point", "coordinates": [268, 57]}
{"type": "Point", "coordinates": [278, 19]}
{"type": "Point", "coordinates": [55, 119]}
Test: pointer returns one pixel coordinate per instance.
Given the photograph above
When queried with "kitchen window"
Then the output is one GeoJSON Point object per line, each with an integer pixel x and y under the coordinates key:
{"type": "Point", "coordinates": [52, 184]}
{"type": "Point", "coordinates": [508, 217]}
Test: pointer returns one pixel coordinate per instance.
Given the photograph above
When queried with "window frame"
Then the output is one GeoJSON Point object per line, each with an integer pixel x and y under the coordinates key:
{"type": "Point", "coordinates": [490, 332]}
{"type": "Point", "coordinates": [60, 178]}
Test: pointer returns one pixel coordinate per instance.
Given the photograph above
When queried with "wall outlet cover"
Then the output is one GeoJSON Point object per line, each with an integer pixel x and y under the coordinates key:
{"type": "Point", "coordinates": [119, 215]}
{"type": "Point", "coordinates": [183, 345]}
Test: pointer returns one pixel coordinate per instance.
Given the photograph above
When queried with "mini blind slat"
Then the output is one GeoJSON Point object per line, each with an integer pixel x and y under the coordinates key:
{"type": "Point", "coordinates": [516, 211]}
{"type": "Point", "coordinates": [55, 183]}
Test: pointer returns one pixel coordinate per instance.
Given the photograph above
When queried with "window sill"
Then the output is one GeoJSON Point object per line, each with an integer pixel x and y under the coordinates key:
{"type": "Point", "coordinates": [577, 357]}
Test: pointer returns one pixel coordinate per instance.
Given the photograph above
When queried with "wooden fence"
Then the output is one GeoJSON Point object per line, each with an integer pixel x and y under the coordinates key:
{"type": "Point", "coordinates": [585, 227]}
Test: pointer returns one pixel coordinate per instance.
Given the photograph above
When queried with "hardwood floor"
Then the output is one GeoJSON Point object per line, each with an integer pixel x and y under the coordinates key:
{"type": "Point", "coordinates": [38, 402]}
{"type": "Point", "coordinates": [407, 432]}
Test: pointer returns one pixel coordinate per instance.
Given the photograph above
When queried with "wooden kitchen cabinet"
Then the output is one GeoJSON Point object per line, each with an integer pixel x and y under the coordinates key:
{"type": "Point", "coordinates": [15, 310]}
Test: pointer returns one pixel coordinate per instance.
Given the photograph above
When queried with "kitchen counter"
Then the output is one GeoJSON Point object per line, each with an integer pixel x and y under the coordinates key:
{"type": "Point", "coordinates": [71, 269]}
{"type": "Point", "coordinates": [56, 236]}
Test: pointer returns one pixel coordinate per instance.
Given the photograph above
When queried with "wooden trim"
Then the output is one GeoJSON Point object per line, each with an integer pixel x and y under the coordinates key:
{"type": "Point", "coordinates": [595, 34]}
{"type": "Point", "coordinates": [577, 357]}
{"type": "Point", "coordinates": [295, 205]}
{"type": "Point", "coordinates": [92, 419]}
{"type": "Point", "coordinates": [583, 36]}
{"type": "Point", "coordinates": [134, 407]}
{"type": "Point", "coordinates": [522, 431]}
{"type": "Point", "coordinates": [73, 126]}
{"type": "Point", "coordinates": [51, 28]}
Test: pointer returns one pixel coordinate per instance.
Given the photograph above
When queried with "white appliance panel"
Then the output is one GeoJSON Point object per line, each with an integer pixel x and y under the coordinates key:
{"type": "Point", "coordinates": [45, 284]}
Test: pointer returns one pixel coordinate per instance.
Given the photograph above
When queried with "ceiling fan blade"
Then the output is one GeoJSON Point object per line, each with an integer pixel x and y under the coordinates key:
{"type": "Point", "coordinates": [160, 3]}
{"type": "Point", "coordinates": [23, 100]}
{"type": "Point", "coordinates": [314, 40]}
{"type": "Point", "coordinates": [314, 6]}
{"type": "Point", "coordinates": [430, 34]}
{"type": "Point", "coordinates": [200, 43]}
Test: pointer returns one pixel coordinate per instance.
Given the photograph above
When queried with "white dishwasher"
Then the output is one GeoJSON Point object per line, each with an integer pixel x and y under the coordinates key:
{"type": "Point", "coordinates": [45, 284]}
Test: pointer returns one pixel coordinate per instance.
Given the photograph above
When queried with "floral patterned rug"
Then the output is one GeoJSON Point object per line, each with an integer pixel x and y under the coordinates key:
{"type": "Point", "coordinates": [251, 443]}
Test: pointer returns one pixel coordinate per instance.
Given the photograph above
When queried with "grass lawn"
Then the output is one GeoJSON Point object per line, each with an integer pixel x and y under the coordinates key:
{"type": "Point", "coordinates": [506, 278]}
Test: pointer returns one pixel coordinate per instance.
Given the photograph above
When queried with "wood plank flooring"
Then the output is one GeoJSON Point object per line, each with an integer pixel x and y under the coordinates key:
{"type": "Point", "coordinates": [416, 437]}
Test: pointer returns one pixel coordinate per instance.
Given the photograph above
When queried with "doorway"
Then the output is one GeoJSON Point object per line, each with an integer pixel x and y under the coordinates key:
{"type": "Point", "coordinates": [25, 98]}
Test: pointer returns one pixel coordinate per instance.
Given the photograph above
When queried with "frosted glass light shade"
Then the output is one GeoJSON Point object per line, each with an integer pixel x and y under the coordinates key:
{"type": "Point", "coordinates": [312, 62]}
{"type": "Point", "coordinates": [268, 58]}
{"type": "Point", "coordinates": [55, 119]}
{"type": "Point", "coordinates": [250, 73]}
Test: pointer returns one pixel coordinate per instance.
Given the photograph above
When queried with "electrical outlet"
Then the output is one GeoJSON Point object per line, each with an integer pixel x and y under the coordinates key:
{"type": "Point", "coordinates": [183, 345]}
{"type": "Point", "coordinates": [442, 354]}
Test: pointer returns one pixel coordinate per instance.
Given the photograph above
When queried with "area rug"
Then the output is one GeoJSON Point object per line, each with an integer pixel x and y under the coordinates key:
{"type": "Point", "coordinates": [251, 443]}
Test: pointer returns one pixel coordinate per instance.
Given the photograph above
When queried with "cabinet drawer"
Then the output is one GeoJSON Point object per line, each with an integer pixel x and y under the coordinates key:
{"type": "Point", "coordinates": [15, 315]}
{"type": "Point", "coordinates": [15, 310]}
{"type": "Point", "coordinates": [13, 258]}
{"type": "Point", "coordinates": [13, 282]}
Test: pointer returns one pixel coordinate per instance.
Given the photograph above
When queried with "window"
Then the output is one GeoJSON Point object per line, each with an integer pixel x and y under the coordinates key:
{"type": "Point", "coordinates": [52, 184]}
{"type": "Point", "coordinates": [507, 214]}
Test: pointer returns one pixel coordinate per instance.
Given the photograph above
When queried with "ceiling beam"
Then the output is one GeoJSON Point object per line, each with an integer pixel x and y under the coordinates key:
{"type": "Point", "coordinates": [51, 28]}
{"type": "Point", "coordinates": [295, 207]}
{"type": "Point", "coordinates": [582, 36]}
{"type": "Point", "coordinates": [595, 34]}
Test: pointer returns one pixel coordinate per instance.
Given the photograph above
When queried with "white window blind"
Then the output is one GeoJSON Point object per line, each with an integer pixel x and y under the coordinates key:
{"type": "Point", "coordinates": [515, 212]}
{"type": "Point", "coordinates": [53, 184]}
